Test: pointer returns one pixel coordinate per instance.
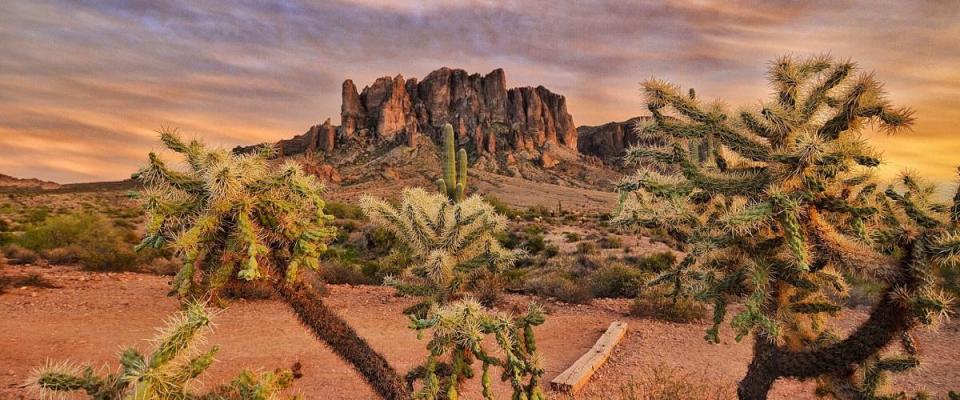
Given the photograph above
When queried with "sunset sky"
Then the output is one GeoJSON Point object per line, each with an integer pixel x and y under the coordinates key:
{"type": "Point", "coordinates": [84, 84]}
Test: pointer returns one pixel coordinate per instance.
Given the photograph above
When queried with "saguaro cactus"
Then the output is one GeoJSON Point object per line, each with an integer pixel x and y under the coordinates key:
{"type": "Point", "coordinates": [453, 184]}
{"type": "Point", "coordinates": [780, 224]}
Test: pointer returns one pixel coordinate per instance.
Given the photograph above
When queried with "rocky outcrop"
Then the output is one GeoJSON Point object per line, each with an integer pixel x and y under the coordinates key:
{"type": "Point", "coordinates": [494, 123]}
{"type": "Point", "coordinates": [609, 141]}
{"type": "Point", "coordinates": [485, 114]}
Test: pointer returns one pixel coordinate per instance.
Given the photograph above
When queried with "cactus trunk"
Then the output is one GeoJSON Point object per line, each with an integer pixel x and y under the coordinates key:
{"type": "Point", "coordinates": [449, 160]}
{"type": "Point", "coordinates": [328, 327]}
{"type": "Point", "coordinates": [888, 319]}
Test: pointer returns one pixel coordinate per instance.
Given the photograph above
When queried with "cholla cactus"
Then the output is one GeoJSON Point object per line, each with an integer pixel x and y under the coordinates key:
{"type": "Point", "coordinates": [233, 216]}
{"type": "Point", "coordinates": [459, 331]}
{"type": "Point", "coordinates": [163, 375]}
{"type": "Point", "coordinates": [228, 214]}
{"type": "Point", "coordinates": [450, 242]}
{"type": "Point", "coordinates": [784, 210]}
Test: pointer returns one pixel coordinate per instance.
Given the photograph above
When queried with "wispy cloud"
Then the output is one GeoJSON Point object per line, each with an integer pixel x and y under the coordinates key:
{"type": "Point", "coordinates": [84, 84]}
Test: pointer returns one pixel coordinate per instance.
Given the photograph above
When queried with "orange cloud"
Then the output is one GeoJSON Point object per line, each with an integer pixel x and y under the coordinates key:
{"type": "Point", "coordinates": [83, 85]}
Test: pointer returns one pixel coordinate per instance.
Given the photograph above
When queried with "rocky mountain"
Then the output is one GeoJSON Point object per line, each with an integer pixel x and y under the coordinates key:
{"type": "Point", "coordinates": [9, 182]}
{"type": "Point", "coordinates": [487, 116]}
{"type": "Point", "coordinates": [524, 132]}
{"type": "Point", "coordinates": [609, 141]}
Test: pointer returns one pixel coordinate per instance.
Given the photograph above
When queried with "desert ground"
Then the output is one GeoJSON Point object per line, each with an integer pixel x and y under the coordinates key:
{"type": "Point", "coordinates": [89, 315]}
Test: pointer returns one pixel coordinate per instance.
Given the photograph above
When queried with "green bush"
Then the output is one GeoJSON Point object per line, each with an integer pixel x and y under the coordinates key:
{"type": "Point", "coordinates": [551, 251]}
{"type": "Point", "coordinates": [344, 274]}
{"type": "Point", "coordinates": [99, 243]}
{"type": "Point", "coordinates": [616, 281]}
{"type": "Point", "coordinates": [343, 210]}
{"type": "Point", "coordinates": [610, 242]}
{"type": "Point", "coordinates": [571, 237]}
{"type": "Point", "coordinates": [654, 263]}
{"type": "Point", "coordinates": [587, 248]}
{"type": "Point", "coordinates": [502, 208]}
{"type": "Point", "coordinates": [559, 287]}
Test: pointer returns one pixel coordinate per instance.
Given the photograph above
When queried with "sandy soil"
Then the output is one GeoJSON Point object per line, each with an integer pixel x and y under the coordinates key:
{"type": "Point", "coordinates": [91, 315]}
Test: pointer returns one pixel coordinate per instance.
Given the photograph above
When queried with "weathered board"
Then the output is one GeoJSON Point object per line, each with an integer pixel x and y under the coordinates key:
{"type": "Point", "coordinates": [575, 377]}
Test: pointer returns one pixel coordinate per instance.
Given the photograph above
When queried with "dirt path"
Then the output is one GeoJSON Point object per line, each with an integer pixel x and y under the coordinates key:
{"type": "Point", "coordinates": [92, 315]}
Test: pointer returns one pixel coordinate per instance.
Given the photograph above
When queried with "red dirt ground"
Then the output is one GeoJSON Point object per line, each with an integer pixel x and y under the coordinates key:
{"type": "Point", "coordinates": [92, 315]}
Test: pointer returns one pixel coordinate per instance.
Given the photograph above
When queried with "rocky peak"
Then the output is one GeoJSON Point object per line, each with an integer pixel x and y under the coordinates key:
{"type": "Point", "coordinates": [609, 141]}
{"type": "Point", "coordinates": [485, 114]}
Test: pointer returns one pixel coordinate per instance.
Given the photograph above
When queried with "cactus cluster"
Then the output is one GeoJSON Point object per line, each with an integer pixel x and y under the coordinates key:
{"type": "Point", "coordinates": [229, 216]}
{"type": "Point", "coordinates": [453, 184]}
{"type": "Point", "coordinates": [237, 216]}
{"type": "Point", "coordinates": [780, 208]}
{"type": "Point", "coordinates": [458, 333]}
{"type": "Point", "coordinates": [450, 243]}
{"type": "Point", "coordinates": [165, 373]}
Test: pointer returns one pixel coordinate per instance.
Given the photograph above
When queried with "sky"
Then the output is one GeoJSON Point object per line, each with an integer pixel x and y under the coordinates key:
{"type": "Point", "coordinates": [84, 85]}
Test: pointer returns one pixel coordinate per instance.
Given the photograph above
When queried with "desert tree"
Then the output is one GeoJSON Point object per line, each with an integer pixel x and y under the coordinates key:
{"type": "Point", "coordinates": [239, 217]}
{"type": "Point", "coordinates": [783, 210]}
{"type": "Point", "coordinates": [165, 373]}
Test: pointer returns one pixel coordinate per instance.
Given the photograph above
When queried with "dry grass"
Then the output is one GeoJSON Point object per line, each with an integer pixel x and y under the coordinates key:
{"type": "Point", "coordinates": [658, 306]}
{"type": "Point", "coordinates": [665, 383]}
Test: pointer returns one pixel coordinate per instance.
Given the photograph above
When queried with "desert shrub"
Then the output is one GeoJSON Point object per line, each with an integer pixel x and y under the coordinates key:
{"type": "Point", "coordinates": [502, 208]}
{"type": "Point", "coordinates": [534, 243]}
{"type": "Point", "coordinates": [97, 243]}
{"type": "Point", "coordinates": [654, 263]}
{"type": "Point", "coordinates": [338, 273]}
{"type": "Point", "coordinates": [18, 255]}
{"type": "Point", "coordinates": [163, 374]}
{"type": "Point", "coordinates": [537, 212]}
{"type": "Point", "coordinates": [343, 210]}
{"type": "Point", "coordinates": [616, 281]}
{"type": "Point", "coordinates": [666, 383]}
{"type": "Point", "coordinates": [587, 248]}
{"type": "Point", "coordinates": [32, 279]}
{"type": "Point", "coordinates": [657, 305]}
{"type": "Point", "coordinates": [551, 251]}
{"type": "Point", "coordinates": [63, 255]}
{"type": "Point", "coordinates": [610, 242]}
{"type": "Point", "coordinates": [571, 237]}
{"type": "Point", "coordinates": [560, 287]}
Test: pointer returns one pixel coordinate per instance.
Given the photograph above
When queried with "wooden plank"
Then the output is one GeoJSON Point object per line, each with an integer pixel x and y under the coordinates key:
{"type": "Point", "coordinates": [575, 377]}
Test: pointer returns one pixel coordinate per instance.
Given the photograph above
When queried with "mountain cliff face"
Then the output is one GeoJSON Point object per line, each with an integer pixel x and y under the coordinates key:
{"type": "Point", "coordinates": [522, 132]}
{"type": "Point", "coordinates": [486, 115]}
{"type": "Point", "coordinates": [609, 141]}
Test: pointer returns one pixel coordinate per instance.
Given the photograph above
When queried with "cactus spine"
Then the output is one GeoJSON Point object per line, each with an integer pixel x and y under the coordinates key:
{"type": "Point", "coordinates": [453, 184]}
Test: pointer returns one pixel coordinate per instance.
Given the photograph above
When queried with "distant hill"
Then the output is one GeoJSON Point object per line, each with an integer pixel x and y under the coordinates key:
{"type": "Point", "coordinates": [10, 182]}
